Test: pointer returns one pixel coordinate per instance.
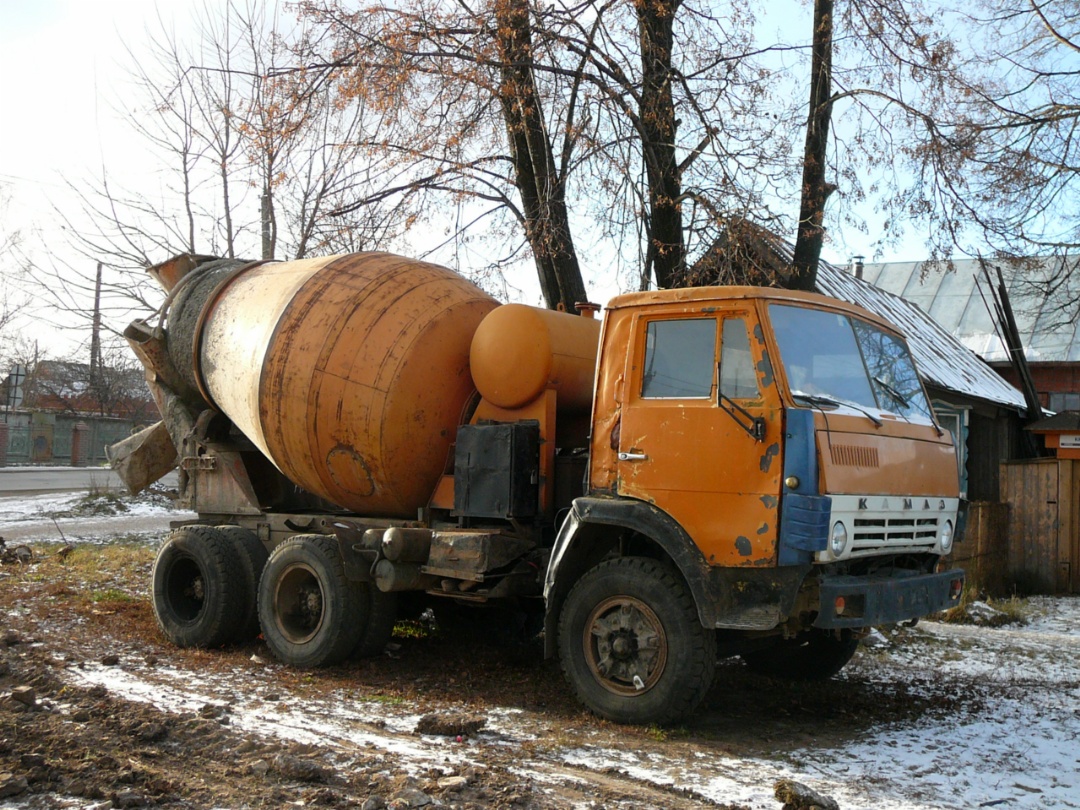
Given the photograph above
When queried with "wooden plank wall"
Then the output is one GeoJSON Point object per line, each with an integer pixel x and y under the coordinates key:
{"type": "Point", "coordinates": [1043, 524]}
{"type": "Point", "coordinates": [983, 551]}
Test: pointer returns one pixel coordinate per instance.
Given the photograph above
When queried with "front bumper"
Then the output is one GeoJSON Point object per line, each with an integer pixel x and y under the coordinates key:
{"type": "Point", "coordinates": [867, 601]}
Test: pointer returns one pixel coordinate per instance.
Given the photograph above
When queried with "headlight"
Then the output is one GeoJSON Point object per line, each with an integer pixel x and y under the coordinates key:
{"type": "Point", "coordinates": [945, 537]}
{"type": "Point", "coordinates": [838, 540]}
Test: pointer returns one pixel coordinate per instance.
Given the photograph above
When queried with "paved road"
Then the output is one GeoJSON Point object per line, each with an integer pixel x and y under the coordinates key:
{"type": "Point", "coordinates": [33, 480]}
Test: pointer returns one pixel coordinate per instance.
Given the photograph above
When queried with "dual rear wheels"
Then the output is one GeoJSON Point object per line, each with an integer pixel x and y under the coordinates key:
{"type": "Point", "coordinates": [218, 585]}
{"type": "Point", "coordinates": [312, 615]}
{"type": "Point", "coordinates": [204, 585]}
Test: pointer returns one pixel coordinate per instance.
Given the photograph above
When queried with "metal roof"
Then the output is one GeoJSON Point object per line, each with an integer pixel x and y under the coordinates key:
{"type": "Point", "coordinates": [944, 362]}
{"type": "Point", "coordinates": [952, 298]}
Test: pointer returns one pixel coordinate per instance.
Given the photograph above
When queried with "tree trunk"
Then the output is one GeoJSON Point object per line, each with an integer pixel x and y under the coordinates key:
{"type": "Point", "coordinates": [665, 251]}
{"type": "Point", "coordinates": [815, 191]}
{"type": "Point", "coordinates": [547, 223]}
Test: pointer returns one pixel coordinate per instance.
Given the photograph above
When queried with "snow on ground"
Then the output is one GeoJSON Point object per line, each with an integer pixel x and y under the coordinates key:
{"type": "Point", "coordinates": [1021, 750]}
{"type": "Point", "coordinates": [68, 517]}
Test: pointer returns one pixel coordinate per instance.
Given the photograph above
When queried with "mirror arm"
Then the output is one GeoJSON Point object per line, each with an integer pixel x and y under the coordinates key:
{"type": "Point", "coordinates": [753, 425]}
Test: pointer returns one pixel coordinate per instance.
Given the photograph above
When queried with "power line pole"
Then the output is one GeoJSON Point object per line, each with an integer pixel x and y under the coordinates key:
{"type": "Point", "coordinates": [95, 339]}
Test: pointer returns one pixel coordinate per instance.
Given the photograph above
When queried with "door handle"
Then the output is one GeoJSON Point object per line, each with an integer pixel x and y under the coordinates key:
{"type": "Point", "coordinates": [633, 457]}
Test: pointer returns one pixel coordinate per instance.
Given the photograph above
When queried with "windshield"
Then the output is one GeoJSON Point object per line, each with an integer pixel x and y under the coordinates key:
{"type": "Point", "coordinates": [829, 355]}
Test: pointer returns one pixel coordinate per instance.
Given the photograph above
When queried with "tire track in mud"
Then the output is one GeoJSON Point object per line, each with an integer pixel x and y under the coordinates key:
{"type": "Point", "coordinates": [328, 724]}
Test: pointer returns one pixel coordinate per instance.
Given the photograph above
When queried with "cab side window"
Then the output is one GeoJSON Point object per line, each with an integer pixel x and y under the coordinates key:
{"type": "Point", "coordinates": [680, 359]}
{"type": "Point", "coordinates": [737, 377]}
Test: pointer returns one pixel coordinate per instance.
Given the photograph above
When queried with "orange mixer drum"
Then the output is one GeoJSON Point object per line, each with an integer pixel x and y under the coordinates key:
{"type": "Point", "coordinates": [350, 373]}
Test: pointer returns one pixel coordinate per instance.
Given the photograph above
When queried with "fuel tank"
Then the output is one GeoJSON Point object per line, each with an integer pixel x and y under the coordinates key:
{"type": "Point", "coordinates": [350, 373]}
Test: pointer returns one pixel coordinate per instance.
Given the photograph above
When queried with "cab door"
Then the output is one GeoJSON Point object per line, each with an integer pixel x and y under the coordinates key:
{"type": "Point", "coordinates": [700, 431]}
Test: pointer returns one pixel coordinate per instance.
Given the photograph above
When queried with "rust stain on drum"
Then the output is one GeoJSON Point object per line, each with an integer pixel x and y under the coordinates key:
{"type": "Point", "coordinates": [350, 471]}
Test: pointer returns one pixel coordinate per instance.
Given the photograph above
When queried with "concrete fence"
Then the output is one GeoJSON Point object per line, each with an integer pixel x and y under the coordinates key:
{"type": "Point", "coordinates": [76, 440]}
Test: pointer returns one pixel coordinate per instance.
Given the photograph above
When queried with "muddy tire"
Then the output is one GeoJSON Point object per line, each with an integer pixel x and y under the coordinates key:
{"type": "Point", "coordinates": [382, 616]}
{"type": "Point", "coordinates": [631, 644]}
{"type": "Point", "coordinates": [251, 557]}
{"type": "Point", "coordinates": [311, 614]}
{"type": "Point", "coordinates": [816, 655]}
{"type": "Point", "coordinates": [196, 588]}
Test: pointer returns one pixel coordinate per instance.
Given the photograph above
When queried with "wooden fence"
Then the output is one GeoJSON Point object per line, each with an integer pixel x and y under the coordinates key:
{"type": "Point", "coordinates": [983, 551]}
{"type": "Point", "coordinates": [1043, 524]}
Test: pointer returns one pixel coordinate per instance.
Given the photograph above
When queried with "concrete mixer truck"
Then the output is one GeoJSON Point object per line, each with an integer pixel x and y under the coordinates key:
{"type": "Point", "coordinates": [703, 472]}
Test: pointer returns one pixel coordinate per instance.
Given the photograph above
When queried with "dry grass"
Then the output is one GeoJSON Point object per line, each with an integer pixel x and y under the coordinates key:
{"type": "Point", "coordinates": [101, 583]}
{"type": "Point", "coordinates": [1011, 610]}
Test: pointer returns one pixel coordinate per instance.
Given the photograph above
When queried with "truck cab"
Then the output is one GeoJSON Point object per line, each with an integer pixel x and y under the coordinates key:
{"type": "Point", "coordinates": [776, 450]}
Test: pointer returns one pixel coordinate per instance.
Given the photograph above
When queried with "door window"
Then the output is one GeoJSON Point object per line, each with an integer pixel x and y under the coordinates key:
{"type": "Point", "coordinates": [737, 377]}
{"type": "Point", "coordinates": [679, 359]}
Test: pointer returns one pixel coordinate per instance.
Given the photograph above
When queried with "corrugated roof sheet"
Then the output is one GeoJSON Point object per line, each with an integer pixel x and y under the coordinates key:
{"type": "Point", "coordinates": [953, 300]}
{"type": "Point", "coordinates": [1064, 421]}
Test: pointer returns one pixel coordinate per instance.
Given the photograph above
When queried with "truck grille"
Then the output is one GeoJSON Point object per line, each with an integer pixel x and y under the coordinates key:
{"type": "Point", "coordinates": [903, 530]}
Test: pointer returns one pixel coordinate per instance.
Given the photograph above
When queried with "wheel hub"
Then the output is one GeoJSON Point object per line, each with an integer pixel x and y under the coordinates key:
{"type": "Point", "coordinates": [298, 602]}
{"type": "Point", "coordinates": [625, 645]}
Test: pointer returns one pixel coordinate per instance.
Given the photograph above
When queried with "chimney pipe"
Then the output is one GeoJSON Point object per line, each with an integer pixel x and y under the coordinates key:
{"type": "Point", "coordinates": [857, 266]}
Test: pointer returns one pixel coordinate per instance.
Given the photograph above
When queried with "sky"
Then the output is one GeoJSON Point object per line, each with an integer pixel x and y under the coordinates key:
{"type": "Point", "coordinates": [63, 83]}
{"type": "Point", "coordinates": [61, 75]}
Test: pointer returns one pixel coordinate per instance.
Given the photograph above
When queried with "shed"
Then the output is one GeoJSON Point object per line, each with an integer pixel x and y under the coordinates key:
{"type": "Point", "coordinates": [1043, 291]}
{"type": "Point", "coordinates": [979, 407]}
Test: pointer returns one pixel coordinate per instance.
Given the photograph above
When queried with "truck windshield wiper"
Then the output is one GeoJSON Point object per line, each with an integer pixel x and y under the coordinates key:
{"type": "Point", "coordinates": [816, 399]}
{"type": "Point", "coordinates": [829, 402]}
{"type": "Point", "coordinates": [897, 397]}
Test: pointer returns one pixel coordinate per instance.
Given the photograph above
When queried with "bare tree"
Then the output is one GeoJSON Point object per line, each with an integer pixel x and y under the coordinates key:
{"type": "Point", "coordinates": [251, 165]}
{"type": "Point", "coordinates": [12, 299]}
{"type": "Point", "coordinates": [889, 82]}
{"type": "Point", "coordinates": [623, 112]}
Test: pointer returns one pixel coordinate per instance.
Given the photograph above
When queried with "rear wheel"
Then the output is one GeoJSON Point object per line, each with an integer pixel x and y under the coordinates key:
{"type": "Point", "coordinates": [197, 601]}
{"type": "Point", "coordinates": [381, 618]}
{"type": "Point", "coordinates": [815, 655]}
{"type": "Point", "coordinates": [311, 614]}
{"type": "Point", "coordinates": [631, 643]}
{"type": "Point", "coordinates": [251, 557]}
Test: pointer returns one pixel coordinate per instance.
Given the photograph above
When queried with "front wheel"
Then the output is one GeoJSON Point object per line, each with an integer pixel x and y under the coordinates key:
{"type": "Point", "coordinates": [631, 644]}
{"type": "Point", "coordinates": [815, 655]}
{"type": "Point", "coordinates": [311, 614]}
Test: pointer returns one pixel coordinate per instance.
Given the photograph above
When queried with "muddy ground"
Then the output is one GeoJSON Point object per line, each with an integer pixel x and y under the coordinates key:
{"type": "Point", "coordinates": [97, 710]}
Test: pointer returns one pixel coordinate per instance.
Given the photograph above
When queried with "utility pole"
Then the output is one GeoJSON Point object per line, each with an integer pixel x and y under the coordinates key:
{"type": "Point", "coordinates": [95, 338]}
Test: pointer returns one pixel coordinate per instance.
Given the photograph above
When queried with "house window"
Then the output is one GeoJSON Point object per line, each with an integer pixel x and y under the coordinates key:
{"type": "Point", "coordinates": [955, 421]}
{"type": "Point", "coordinates": [1064, 401]}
